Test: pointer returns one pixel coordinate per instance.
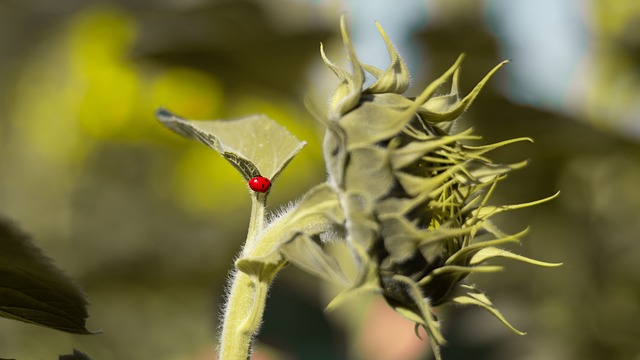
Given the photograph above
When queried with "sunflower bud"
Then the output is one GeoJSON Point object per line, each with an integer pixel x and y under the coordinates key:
{"type": "Point", "coordinates": [414, 195]}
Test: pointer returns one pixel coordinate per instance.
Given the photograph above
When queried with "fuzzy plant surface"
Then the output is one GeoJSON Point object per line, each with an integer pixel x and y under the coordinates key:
{"type": "Point", "coordinates": [406, 194]}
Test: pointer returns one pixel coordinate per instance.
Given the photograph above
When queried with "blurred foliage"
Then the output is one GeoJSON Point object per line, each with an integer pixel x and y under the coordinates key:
{"type": "Point", "coordinates": [123, 205]}
{"type": "Point", "coordinates": [612, 72]}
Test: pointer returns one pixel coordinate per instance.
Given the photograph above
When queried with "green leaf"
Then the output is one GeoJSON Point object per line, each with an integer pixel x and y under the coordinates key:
{"type": "Point", "coordinates": [479, 150]}
{"type": "Point", "coordinates": [484, 212]}
{"type": "Point", "coordinates": [366, 282]}
{"type": "Point", "coordinates": [262, 270]}
{"type": "Point", "coordinates": [462, 255]}
{"type": "Point", "coordinates": [318, 212]}
{"type": "Point", "coordinates": [475, 297]}
{"type": "Point", "coordinates": [33, 289]}
{"type": "Point", "coordinates": [433, 87]}
{"type": "Point", "coordinates": [347, 94]}
{"type": "Point", "coordinates": [393, 205]}
{"type": "Point", "coordinates": [254, 145]}
{"type": "Point", "coordinates": [448, 109]}
{"type": "Point", "coordinates": [478, 172]}
{"type": "Point", "coordinates": [416, 185]}
{"type": "Point", "coordinates": [492, 252]}
{"type": "Point", "coordinates": [402, 238]}
{"type": "Point", "coordinates": [369, 171]}
{"type": "Point", "coordinates": [378, 117]}
{"type": "Point", "coordinates": [396, 78]}
{"type": "Point", "coordinates": [404, 156]}
{"type": "Point", "coordinates": [443, 102]}
{"type": "Point", "coordinates": [421, 313]}
{"type": "Point", "coordinates": [308, 255]}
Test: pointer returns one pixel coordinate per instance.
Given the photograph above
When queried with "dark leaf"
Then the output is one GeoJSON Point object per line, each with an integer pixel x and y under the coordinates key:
{"type": "Point", "coordinates": [33, 289]}
{"type": "Point", "coordinates": [77, 355]}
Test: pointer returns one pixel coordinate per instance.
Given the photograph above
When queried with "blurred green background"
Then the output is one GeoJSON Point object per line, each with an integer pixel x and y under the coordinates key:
{"type": "Point", "coordinates": [149, 223]}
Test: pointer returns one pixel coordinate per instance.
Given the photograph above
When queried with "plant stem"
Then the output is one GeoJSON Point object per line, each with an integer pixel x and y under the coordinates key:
{"type": "Point", "coordinates": [247, 295]}
{"type": "Point", "coordinates": [256, 221]}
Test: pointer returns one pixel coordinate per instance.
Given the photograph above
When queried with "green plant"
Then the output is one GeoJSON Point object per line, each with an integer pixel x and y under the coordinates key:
{"type": "Point", "coordinates": [34, 290]}
{"type": "Point", "coordinates": [408, 196]}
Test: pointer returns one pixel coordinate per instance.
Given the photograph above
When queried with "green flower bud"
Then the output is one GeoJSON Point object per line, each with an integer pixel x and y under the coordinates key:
{"type": "Point", "coordinates": [413, 195]}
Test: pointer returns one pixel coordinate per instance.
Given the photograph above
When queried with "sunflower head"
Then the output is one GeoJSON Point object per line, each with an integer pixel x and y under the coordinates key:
{"type": "Point", "coordinates": [414, 194]}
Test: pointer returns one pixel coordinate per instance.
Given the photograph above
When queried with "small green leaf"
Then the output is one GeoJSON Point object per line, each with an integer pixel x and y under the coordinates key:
{"type": "Point", "coordinates": [479, 150]}
{"type": "Point", "coordinates": [492, 252]}
{"type": "Point", "coordinates": [347, 94]}
{"type": "Point", "coordinates": [477, 172]}
{"type": "Point", "coordinates": [308, 255]}
{"type": "Point", "coordinates": [475, 297]}
{"type": "Point", "coordinates": [433, 87]}
{"type": "Point", "coordinates": [402, 238]}
{"type": "Point", "coordinates": [440, 111]}
{"type": "Point", "coordinates": [396, 78]}
{"type": "Point", "coordinates": [367, 281]}
{"type": "Point", "coordinates": [484, 212]}
{"type": "Point", "coordinates": [33, 289]}
{"type": "Point", "coordinates": [254, 145]}
{"type": "Point", "coordinates": [420, 313]}
{"type": "Point", "coordinates": [416, 185]}
{"type": "Point", "coordinates": [400, 206]}
{"type": "Point", "coordinates": [316, 213]}
{"type": "Point", "coordinates": [462, 255]}
{"type": "Point", "coordinates": [262, 270]}
{"type": "Point", "coordinates": [410, 153]}
{"type": "Point", "coordinates": [376, 118]}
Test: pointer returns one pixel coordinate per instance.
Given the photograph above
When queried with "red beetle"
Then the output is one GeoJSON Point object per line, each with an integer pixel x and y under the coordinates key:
{"type": "Point", "coordinates": [260, 184]}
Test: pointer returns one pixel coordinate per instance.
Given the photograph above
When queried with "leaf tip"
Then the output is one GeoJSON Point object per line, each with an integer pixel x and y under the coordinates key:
{"type": "Point", "coordinates": [163, 114]}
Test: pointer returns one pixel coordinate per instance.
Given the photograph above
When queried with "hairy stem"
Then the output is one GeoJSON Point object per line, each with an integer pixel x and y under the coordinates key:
{"type": "Point", "coordinates": [247, 294]}
{"type": "Point", "coordinates": [235, 341]}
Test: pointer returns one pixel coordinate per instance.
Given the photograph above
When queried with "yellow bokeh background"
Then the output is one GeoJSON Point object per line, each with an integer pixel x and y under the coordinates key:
{"type": "Point", "coordinates": [150, 223]}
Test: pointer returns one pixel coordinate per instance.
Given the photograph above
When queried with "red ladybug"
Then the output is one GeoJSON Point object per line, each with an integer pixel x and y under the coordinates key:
{"type": "Point", "coordinates": [260, 184]}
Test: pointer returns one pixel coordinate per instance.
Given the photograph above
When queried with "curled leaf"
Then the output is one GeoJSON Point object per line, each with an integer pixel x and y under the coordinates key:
{"type": "Point", "coordinates": [396, 78]}
{"type": "Point", "coordinates": [475, 297]}
{"type": "Point", "coordinates": [254, 145]}
{"type": "Point", "coordinates": [291, 237]}
{"type": "Point", "coordinates": [423, 315]}
{"type": "Point", "coordinates": [450, 108]}
{"type": "Point", "coordinates": [493, 252]}
{"type": "Point", "coordinates": [347, 94]}
{"type": "Point", "coordinates": [308, 255]}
